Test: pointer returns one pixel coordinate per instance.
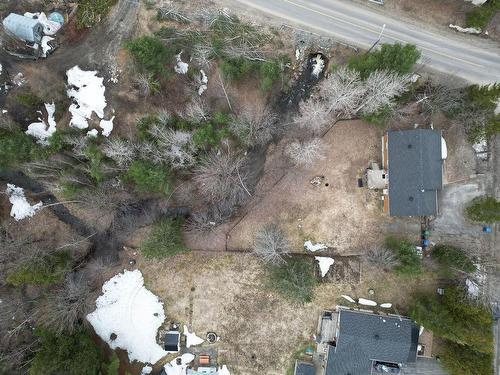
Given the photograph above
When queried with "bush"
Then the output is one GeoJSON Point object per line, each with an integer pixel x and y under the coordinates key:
{"type": "Point", "coordinates": [271, 71]}
{"type": "Point", "coordinates": [463, 360]}
{"type": "Point", "coordinates": [151, 54]}
{"type": "Point", "coordinates": [410, 263]}
{"type": "Point", "coordinates": [29, 100]}
{"type": "Point", "coordinates": [95, 158]}
{"type": "Point", "coordinates": [481, 16]}
{"type": "Point", "coordinates": [453, 258]}
{"type": "Point", "coordinates": [456, 318]}
{"type": "Point", "coordinates": [208, 135]}
{"type": "Point", "coordinates": [16, 147]}
{"type": "Point", "coordinates": [484, 209]}
{"type": "Point", "coordinates": [114, 366]}
{"type": "Point", "coordinates": [149, 178]}
{"type": "Point", "coordinates": [294, 279]}
{"type": "Point", "coordinates": [165, 240]}
{"type": "Point", "coordinates": [45, 271]}
{"type": "Point", "coordinates": [74, 354]}
{"type": "Point", "coordinates": [237, 69]}
{"type": "Point", "coordinates": [379, 118]}
{"type": "Point", "coordinates": [394, 57]}
{"type": "Point", "coordinates": [484, 97]}
{"type": "Point", "coordinates": [90, 12]}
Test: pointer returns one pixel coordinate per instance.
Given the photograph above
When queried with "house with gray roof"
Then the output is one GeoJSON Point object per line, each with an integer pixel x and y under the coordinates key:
{"type": "Point", "coordinates": [24, 28]}
{"type": "Point", "coordinates": [414, 161]}
{"type": "Point", "coordinates": [368, 343]}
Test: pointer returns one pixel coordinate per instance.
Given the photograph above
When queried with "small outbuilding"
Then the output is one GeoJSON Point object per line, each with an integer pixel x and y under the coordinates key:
{"type": "Point", "coordinates": [25, 28]}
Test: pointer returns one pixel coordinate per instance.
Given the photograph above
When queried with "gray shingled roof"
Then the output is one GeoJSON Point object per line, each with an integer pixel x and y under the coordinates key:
{"type": "Point", "coordinates": [303, 368]}
{"type": "Point", "coordinates": [364, 337]}
{"type": "Point", "coordinates": [415, 171]}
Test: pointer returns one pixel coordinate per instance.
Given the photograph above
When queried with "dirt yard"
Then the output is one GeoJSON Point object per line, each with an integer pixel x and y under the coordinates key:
{"type": "Point", "coordinates": [259, 329]}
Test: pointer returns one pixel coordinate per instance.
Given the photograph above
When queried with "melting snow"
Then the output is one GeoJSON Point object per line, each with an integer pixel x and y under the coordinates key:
{"type": "Point", "coordinates": [172, 368]}
{"type": "Point", "coordinates": [191, 338]}
{"type": "Point", "coordinates": [40, 130]}
{"type": "Point", "coordinates": [92, 133]}
{"type": "Point", "coordinates": [87, 91]}
{"type": "Point", "coordinates": [131, 314]}
{"type": "Point", "coordinates": [107, 126]}
{"type": "Point", "coordinates": [386, 305]}
{"type": "Point", "coordinates": [204, 82]}
{"type": "Point", "coordinates": [314, 247]}
{"type": "Point", "coordinates": [481, 149]}
{"type": "Point", "coordinates": [224, 371]}
{"type": "Point", "coordinates": [324, 264]}
{"type": "Point", "coordinates": [367, 302]}
{"type": "Point", "coordinates": [318, 65]}
{"type": "Point", "coordinates": [444, 149]}
{"type": "Point", "coordinates": [181, 67]}
{"type": "Point", "coordinates": [466, 30]}
{"type": "Point", "coordinates": [45, 45]}
{"type": "Point", "coordinates": [349, 298]}
{"type": "Point", "coordinates": [146, 370]}
{"type": "Point", "coordinates": [21, 208]}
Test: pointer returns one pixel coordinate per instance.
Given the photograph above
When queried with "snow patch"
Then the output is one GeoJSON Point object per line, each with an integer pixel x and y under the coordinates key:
{"type": "Point", "coordinates": [444, 149]}
{"type": "Point", "coordinates": [128, 316]}
{"type": "Point", "coordinates": [367, 302]}
{"type": "Point", "coordinates": [106, 126]}
{"type": "Point", "coordinates": [224, 371]}
{"type": "Point", "coordinates": [181, 67]}
{"type": "Point", "coordinates": [386, 305]}
{"type": "Point", "coordinates": [477, 2]}
{"type": "Point", "coordinates": [174, 368]}
{"type": "Point", "coordinates": [314, 247]}
{"type": "Point", "coordinates": [40, 130]}
{"type": "Point", "coordinates": [204, 82]}
{"type": "Point", "coordinates": [324, 264]}
{"type": "Point", "coordinates": [348, 298]}
{"type": "Point", "coordinates": [92, 133]}
{"type": "Point", "coordinates": [45, 45]}
{"type": "Point", "coordinates": [466, 30]}
{"type": "Point", "coordinates": [87, 91]}
{"type": "Point", "coordinates": [21, 208]}
{"type": "Point", "coordinates": [497, 109]}
{"type": "Point", "coordinates": [472, 288]}
{"type": "Point", "coordinates": [318, 64]}
{"type": "Point", "coordinates": [146, 370]}
{"type": "Point", "coordinates": [191, 338]}
{"type": "Point", "coordinates": [481, 149]}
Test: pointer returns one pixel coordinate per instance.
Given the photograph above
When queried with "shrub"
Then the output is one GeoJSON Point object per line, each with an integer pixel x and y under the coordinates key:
{"type": "Point", "coordinates": [95, 158]}
{"type": "Point", "coordinates": [90, 12]}
{"type": "Point", "coordinates": [463, 360]}
{"type": "Point", "coordinates": [456, 318]}
{"type": "Point", "coordinates": [410, 263]}
{"type": "Point", "coordinates": [394, 57]}
{"type": "Point", "coordinates": [453, 258]}
{"type": "Point", "coordinates": [114, 366]}
{"type": "Point", "coordinates": [379, 118]}
{"type": "Point", "coordinates": [481, 16]}
{"type": "Point", "coordinates": [208, 135]}
{"type": "Point", "coordinates": [16, 147]}
{"type": "Point", "coordinates": [484, 97]}
{"type": "Point", "coordinates": [271, 71]}
{"type": "Point", "coordinates": [29, 100]}
{"type": "Point", "coordinates": [149, 178]}
{"type": "Point", "coordinates": [45, 270]}
{"type": "Point", "coordinates": [74, 354]}
{"type": "Point", "coordinates": [484, 209]}
{"type": "Point", "coordinates": [271, 244]}
{"type": "Point", "coordinates": [294, 279]}
{"type": "Point", "coordinates": [144, 125]}
{"type": "Point", "coordinates": [151, 54]}
{"type": "Point", "coordinates": [165, 240]}
{"type": "Point", "coordinates": [239, 68]}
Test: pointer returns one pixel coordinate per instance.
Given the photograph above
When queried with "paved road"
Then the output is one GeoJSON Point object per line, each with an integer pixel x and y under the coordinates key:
{"type": "Point", "coordinates": [360, 26]}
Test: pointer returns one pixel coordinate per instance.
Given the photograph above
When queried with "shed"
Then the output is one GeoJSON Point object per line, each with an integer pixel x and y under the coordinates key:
{"type": "Point", "coordinates": [25, 28]}
{"type": "Point", "coordinates": [172, 341]}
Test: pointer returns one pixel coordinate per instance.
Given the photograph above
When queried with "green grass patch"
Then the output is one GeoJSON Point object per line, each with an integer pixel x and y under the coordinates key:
{"type": "Point", "coordinates": [165, 240]}
{"type": "Point", "coordinates": [481, 16]}
{"type": "Point", "coordinates": [29, 100]}
{"type": "Point", "coordinates": [295, 279]}
{"type": "Point", "coordinates": [91, 12]}
{"type": "Point", "coordinates": [45, 271]}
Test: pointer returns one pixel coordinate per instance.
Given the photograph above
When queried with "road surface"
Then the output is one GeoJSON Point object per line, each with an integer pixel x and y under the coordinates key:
{"type": "Point", "coordinates": [469, 57]}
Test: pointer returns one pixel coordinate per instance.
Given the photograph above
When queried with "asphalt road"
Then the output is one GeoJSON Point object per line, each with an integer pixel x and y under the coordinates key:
{"type": "Point", "coordinates": [468, 57]}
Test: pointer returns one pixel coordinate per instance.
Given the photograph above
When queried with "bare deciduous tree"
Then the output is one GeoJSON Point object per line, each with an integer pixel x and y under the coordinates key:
{"type": "Point", "coordinates": [342, 91]}
{"type": "Point", "coordinates": [381, 258]}
{"type": "Point", "coordinates": [381, 88]}
{"type": "Point", "coordinates": [63, 311]}
{"type": "Point", "coordinates": [120, 150]}
{"type": "Point", "coordinates": [440, 98]}
{"type": "Point", "coordinates": [221, 178]}
{"type": "Point", "coordinates": [195, 111]}
{"type": "Point", "coordinates": [313, 115]}
{"type": "Point", "coordinates": [305, 153]}
{"type": "Point", "coordinates": [173, 147]}
{"type": "Point", "coordinates": [202, 55]}
{"type": "Point", "coordinates": [271, 244]}
{"type": "Point", "coordinates": [254, 126]}
{"type": "Point", "coordinates": [171, 13]}
{"type": "Point", "coordinates": [147, 84]}
{"type": "Point", "coordinates": [205, 221]}
{"type": "Point", "coordinates": [164, 117]}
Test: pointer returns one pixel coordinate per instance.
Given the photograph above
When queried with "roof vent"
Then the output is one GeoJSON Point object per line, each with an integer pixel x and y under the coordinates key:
{"type": "Point", "coordinates": [410, 145]}
{"type": "Point", "coordinates": [411, 199]}
{"type": "Point", "coordinates": [376, 336]}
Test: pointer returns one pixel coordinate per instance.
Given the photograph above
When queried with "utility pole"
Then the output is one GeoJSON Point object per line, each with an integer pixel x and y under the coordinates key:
{"type": "Point", "coordinates": [378, 39]}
